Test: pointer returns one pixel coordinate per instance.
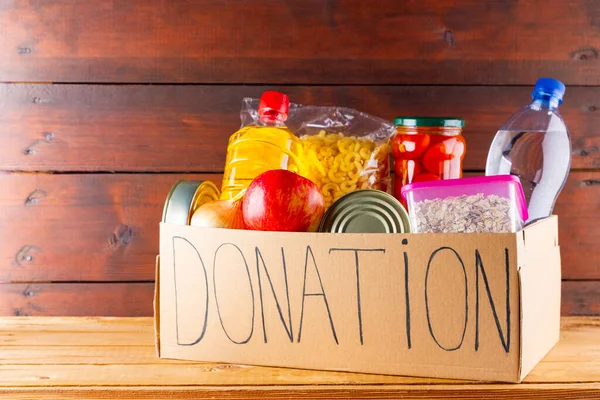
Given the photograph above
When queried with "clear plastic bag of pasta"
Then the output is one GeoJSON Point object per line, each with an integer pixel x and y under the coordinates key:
{"type": "Point", "coordinates": [348, 149]}
{"type": "Point", "coordinates": [351, 148]}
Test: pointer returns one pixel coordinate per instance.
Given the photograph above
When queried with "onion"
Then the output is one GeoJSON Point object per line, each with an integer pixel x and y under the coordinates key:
{"type": "Point", "coordinates": [219, 214]}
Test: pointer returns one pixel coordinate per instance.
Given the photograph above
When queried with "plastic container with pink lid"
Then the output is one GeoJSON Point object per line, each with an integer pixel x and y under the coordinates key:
{"type": "Point", "coordinates": [487, 204]}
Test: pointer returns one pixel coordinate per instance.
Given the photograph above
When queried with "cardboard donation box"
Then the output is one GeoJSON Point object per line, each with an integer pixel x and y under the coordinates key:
{"type": "Point", "coordinates": [466, 306]}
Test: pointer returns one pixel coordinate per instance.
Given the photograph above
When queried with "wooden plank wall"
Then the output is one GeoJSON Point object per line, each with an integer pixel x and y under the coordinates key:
{"type": "Point", "coordinates": [105, 103]}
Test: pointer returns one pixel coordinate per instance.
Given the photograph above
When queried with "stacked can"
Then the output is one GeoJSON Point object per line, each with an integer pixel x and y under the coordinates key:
{"type": "Point", "coordinates": [185, 197]}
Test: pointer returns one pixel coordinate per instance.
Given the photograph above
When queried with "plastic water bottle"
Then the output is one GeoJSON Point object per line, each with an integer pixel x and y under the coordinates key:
{"type": "Point", "coordinates": [534, 144]}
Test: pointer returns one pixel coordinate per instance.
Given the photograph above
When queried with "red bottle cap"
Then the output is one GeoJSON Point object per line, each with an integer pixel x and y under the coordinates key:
{"type": "Point", "coordinates": [273, 103]}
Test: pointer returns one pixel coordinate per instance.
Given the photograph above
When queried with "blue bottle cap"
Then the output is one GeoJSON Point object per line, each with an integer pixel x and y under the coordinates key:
{"type": "Point", "coordinates": [549, 87]}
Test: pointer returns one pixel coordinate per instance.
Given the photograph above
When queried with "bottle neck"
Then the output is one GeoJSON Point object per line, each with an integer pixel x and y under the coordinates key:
{"type": "Point", "coordinates": [545, 102]}
{"type": "Point", "coordinates": [272, 118]}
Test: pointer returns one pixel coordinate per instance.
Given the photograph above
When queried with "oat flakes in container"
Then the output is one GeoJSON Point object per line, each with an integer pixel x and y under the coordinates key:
{"type": "Point", "coordinates": [492, 204]}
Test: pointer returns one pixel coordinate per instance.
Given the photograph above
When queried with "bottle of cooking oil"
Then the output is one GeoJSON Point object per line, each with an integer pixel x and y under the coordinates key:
{"type": "Point", "coordinates": [265, 145]}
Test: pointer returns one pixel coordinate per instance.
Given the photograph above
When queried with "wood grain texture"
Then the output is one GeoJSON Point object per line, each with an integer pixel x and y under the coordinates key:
{"type": "Point", "coordinates": [82, 227]}
{"type": "Point", "coordinates": [94, 368]}
{"type": "Point", "coordinates": [82, 331]}
{"type": "Point", "coordinates": [577, 207]}
{"type": "Point", "coordinates": [424, 42]}
{"type": "Point", "coordinates": [104, 227]}
{"type": "Point", "coordinates": [177, 374]}
{"type": "Point", "coordinates": [77, 299]}
{"type": "Point", "coordinates": [567, 391]}
{"type": "Point", "coordinates": [580, 298]}
{"type": "Point", "coordinates": [185, 128]}
{"type": "Point", "coordinates": [128, 299]}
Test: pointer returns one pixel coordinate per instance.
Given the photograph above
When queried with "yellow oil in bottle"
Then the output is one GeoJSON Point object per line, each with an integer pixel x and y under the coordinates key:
{"type": "Point", "coordinates": [262, 147]}
{"type": "Point", "coordinates": [256, 149]}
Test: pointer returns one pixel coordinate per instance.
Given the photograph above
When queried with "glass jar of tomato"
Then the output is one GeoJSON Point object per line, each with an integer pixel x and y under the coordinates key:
{"type": "Point", "coordinates": [427, 149]}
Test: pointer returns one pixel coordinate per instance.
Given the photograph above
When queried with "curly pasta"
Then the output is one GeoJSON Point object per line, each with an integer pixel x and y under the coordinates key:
{"type": "Point", "coordinates": [348, 163]}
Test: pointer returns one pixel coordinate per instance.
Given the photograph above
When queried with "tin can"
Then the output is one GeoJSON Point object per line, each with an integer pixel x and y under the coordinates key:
{"type": "Point", "coordinates": [185, 197]}
{"type": "Point", "coordinates": [366, 211]}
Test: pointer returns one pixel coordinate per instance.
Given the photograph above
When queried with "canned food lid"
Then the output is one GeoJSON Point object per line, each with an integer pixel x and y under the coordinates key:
{"type": "Point", "coordinates": [366, 211]}
{"type": "Point", "coordinates": [447, 122]}
{"type": "Point", "coordinates": [206, 192]}
{"type": "Point", "coordinates": [179, 202]}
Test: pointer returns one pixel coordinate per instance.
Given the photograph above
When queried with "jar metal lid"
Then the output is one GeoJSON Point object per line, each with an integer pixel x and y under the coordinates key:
{"type": "Point", "coordinates": [446, 122]}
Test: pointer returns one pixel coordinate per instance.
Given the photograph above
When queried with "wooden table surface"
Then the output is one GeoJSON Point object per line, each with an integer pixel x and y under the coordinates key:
{"type": "Point", "coordinates": [105, 358]}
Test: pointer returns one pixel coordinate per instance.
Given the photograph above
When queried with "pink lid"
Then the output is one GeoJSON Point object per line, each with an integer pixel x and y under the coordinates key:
{"type": "Point", "coordinates": [485, 184]}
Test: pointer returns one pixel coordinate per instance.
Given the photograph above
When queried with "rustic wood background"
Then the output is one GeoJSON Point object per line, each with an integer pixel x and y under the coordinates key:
{"type": "Point", "coordinates": [106, 103]}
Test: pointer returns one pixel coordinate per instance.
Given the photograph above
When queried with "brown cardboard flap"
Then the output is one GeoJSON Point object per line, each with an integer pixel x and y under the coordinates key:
{"type": "Point", "coordinates": [157, 307]}
{"type": "Point", "coordinates": [540, 280]}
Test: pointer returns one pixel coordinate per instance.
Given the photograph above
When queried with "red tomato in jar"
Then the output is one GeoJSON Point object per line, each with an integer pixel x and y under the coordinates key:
{"type": "Point", "coordinates": [459, 148]}
{"type": "Point", "coordinates": [434, 158]}
{"type": "Point", "coordinates": [436, 139]}
{"type": "Point", "coordinates": [425, 177]}
{"type": "Point", "coordinates": [405, 170]}
{"type": "Point", "coordinates": [409, 147]}
{"type": "Point", "coordinates": [412, 166]}
{"type": "Point", "coordinates": [450, 149]}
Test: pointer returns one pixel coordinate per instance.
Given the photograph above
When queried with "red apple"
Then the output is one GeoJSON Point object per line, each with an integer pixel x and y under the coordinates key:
{"type": "Point", "coordinates": [280, 200]}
